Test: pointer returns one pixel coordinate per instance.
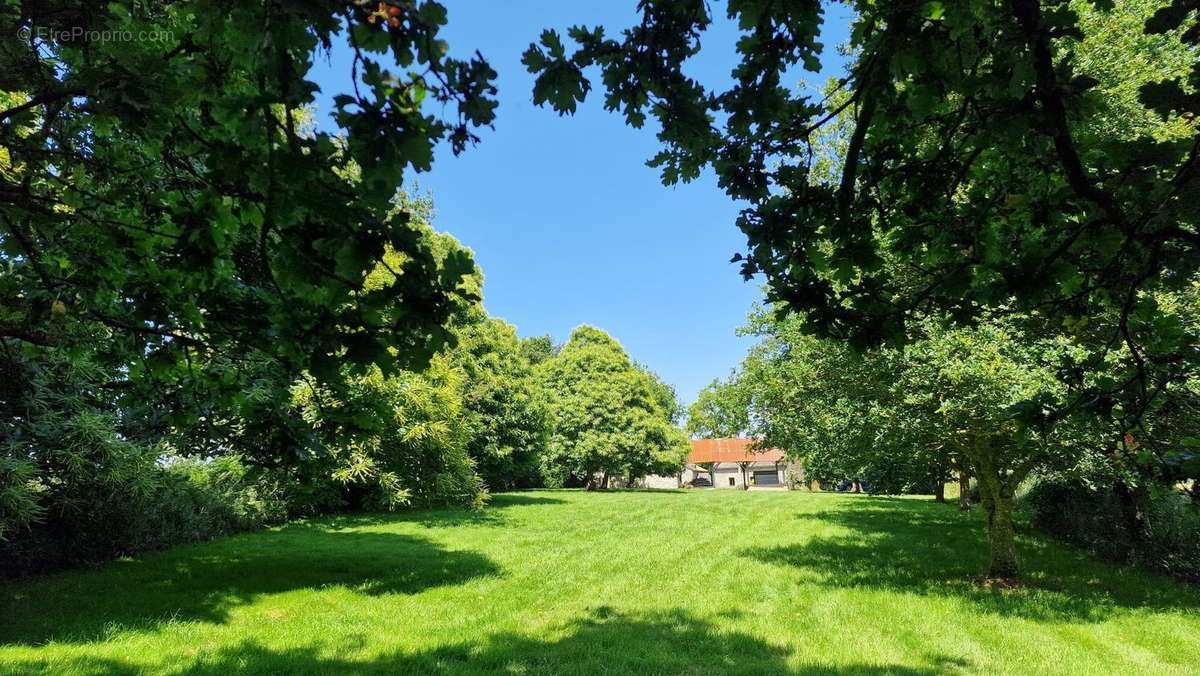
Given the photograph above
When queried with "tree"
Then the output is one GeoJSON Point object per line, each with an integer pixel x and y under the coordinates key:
{"type": "Point", "coordinates": [539, 349]}
{"type": "Point", "coordinates": [167, 196]}
{"type": "Point", "coordinates": [985, 398]}
{"type": "Point", "coordinates": [414, 454]}
{"type": "Point", "coordinates": [999, 157]}
{"type": "Point", "coordinates": [720, 410]}
{"type": "Point", "coordinates": [993, 392]}
{"type": "Point", "coordinates": [181, 246]}
{"type": "Point", "coordinates": [510, 425]}
{"type": "Point", "coordinates": [816, 399]}
{"type": "Point", "coordinates": [609, 417]}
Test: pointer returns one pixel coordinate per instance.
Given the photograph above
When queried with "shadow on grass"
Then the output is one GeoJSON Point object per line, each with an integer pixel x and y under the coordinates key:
{"type": "Point", "coordinates": [204, 583]}
{"type": "Point", "coordinates": [927, 548]}
{"type": "Point", "coordinates": [494, 514]}
{"type": "Point", "coordinates": [656, 491]}
{"type": "Point", "coordinates": [502, 500]}
{"type": "Point", "coordinates": [604, 642]}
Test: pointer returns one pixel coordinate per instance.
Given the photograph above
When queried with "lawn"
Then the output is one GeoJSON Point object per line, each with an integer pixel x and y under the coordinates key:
{"type": "Point", "coordinates": [565, 582]}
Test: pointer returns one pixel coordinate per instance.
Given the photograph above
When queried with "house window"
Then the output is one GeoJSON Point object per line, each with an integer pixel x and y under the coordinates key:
{"type": "Point", "coordinates": [732, 481]}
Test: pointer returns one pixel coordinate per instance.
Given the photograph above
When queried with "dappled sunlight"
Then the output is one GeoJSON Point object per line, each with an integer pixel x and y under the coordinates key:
{"type": "Point", "coordinates": [933, 549]}
{"type": "Point", "coordinates": [498, 512]}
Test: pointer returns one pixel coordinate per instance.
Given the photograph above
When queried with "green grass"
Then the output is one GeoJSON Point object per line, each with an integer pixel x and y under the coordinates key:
{"type": "Point", "coordinates": [563, 582]}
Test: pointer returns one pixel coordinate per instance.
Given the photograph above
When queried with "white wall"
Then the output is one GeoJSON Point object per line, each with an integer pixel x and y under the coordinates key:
{"type": "Point", "coordinates": [725, 471]}
{"type": "Point", "coordinates": [656, 481]}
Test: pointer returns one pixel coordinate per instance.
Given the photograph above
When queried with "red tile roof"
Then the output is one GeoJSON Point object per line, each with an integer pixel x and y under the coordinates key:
{"type": "Point", "coordinates": [731, 450]}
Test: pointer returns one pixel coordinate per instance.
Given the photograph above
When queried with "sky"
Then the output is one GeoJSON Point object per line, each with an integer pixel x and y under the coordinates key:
{"type": "Point", "coordinates": [568, 224]}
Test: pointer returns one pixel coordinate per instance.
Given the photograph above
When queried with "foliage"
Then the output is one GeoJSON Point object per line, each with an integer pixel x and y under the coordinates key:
{"type": "Point", "coordinates": [609, 416]}
{"type": "Point", "coordinates": [985, 398]}
{"type": "Point", "coordinates": [720, 410]}
{"type": "Point", "coordinates": [415, 451]}
{"type": "Point", "coordinates": [829, 407]}
{"type": "Point", "coordinates": [64, 452]}
{"type": "Point", "coordinates": [439, 436]}
{"type": "Point", "coordinates": [539, 349]}
{"type": "Point", "coordinates": [169, 191]}
{"type": "Point", "coordinates": [987, 157]}
{"type": "Point", "coordinates": [186, 501]}
{"type": "Point", "coordinates": [169, 213]}
{"type": "Point", "coordinates": [508, 408]}
{"type": "Point", "coordinates": [181, 247]}
{"type": "Point", "coordinates": [1106, 523]}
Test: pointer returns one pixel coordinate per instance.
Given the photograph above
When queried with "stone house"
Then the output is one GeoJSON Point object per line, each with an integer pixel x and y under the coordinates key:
{"type": "Point", "coordinates": [731, 463]}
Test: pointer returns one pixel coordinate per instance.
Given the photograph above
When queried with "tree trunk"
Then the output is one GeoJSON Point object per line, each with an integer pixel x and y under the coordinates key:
{"type": "Point", "coordinates": [939, 491]}
{"type": "Point", "coordinates": [1135, 503]}
{"type": "Point", "coordinates": [1001, 538]}
{"type": "Point", "coordinates": [964, 488]}
{"type": "Point", "coordinates": [996, 488]}
{"type": "Point", "coordinates": [857, 487]}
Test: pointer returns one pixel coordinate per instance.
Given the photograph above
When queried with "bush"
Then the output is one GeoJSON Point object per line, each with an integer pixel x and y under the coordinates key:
{"type": "Point", "coordinates": [414, 452]}
{"type": "Point", "coordinates": [186, 501]}
{"type": "Point", "coordinates": [1101, 521]}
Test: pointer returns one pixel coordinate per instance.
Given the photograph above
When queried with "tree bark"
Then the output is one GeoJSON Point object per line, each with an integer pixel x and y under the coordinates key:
{"type": "Point", "coordinates": [1001, 539]}
{"type": "Point", "coordinates": [996, 487]}
{"type": "Point", "coordinates": [939, 491]}
{"type": "Point", "coordinates": [964, 488]}
{"type": "Point", "coordinates": [857, 488]}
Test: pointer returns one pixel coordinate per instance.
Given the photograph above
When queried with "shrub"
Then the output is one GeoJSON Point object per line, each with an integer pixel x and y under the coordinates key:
{"type": "Point", "coordinates": [183, 501]}
{"type": "Point", "coordinates": [1100, 521]}
{"type": "Point", "coordinates": [414, 454]}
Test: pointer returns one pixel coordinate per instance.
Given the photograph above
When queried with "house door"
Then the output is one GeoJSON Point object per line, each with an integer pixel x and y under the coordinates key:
{"type": "Point", "coordinates": [766, 477]}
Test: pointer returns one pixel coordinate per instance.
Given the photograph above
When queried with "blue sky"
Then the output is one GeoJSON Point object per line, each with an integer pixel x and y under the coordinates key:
{"type": "Point", "coordinates": [568, 224]}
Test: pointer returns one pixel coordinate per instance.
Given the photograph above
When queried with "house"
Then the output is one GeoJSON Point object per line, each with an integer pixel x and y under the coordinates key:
{"type": "Point", "coordinates": [731, 463]}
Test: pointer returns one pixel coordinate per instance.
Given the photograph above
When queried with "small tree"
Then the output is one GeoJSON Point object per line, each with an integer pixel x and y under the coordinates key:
{"type": "Point", "coordinates": [993, 391]}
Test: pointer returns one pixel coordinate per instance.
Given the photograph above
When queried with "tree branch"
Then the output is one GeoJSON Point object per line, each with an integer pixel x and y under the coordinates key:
{"type": "Point", "coordinates": [26, 333]}
{"type": "Point", "coordinates": [1028, 14]}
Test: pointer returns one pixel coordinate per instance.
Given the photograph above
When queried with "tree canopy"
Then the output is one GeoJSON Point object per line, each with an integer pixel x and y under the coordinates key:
{"type": "Point", "coordinates": [169, 198]}
{"type": "Point", "coordinates": [994, 157]}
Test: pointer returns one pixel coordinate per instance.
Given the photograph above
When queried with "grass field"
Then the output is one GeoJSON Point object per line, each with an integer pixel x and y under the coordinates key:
{"type": "Point", "coordinates": [563, 582]}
